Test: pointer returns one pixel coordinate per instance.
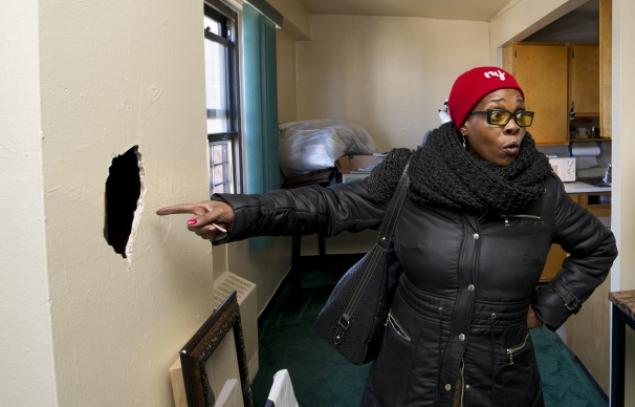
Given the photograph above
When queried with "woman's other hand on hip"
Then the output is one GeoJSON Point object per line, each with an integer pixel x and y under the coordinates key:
{"type": "Point", "coordinates": [532, 319]}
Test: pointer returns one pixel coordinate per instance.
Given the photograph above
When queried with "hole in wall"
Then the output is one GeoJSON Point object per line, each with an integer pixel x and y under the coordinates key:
{"type": "Point", "coordinates": [124, 201]}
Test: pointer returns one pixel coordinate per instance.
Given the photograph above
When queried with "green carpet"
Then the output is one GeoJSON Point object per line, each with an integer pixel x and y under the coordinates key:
{"type": "Point", "coordinates": [564, 380]}
{"type": "Point", "coordinates": [321, 377]}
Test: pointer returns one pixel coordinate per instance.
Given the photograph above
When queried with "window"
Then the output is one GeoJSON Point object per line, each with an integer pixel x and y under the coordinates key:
{"type": "Point", "coordinates": [221, 91]}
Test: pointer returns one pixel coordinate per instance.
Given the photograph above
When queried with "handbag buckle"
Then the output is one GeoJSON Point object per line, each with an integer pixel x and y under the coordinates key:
{"type": "Point", "coordinates": [344, 322]}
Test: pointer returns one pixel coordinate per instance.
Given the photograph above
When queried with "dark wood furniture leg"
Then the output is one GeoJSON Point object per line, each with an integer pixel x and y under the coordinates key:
{"type": "Point", "coordinates": [295, 274]}
{"type": "Point", "coordinates": [322, 249]}
{"type": "Point", "coordinates": [617, 358]}
{"type": "Point", "coordinates": [623, 313]}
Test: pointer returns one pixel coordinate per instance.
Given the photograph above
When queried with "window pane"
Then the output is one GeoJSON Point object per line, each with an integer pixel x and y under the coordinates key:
{"type": "Point", "coordinates": [221, 167]}
{"type": "Point", "coordinates": [217, 174]}
{"type": "Point", "coordinates": [213, 25]}
{"type": "Point", "coordinates": [221, 90]}
{"type": "Point", "coordinates": [216, 90]}
{"type": "Point", "coordinates": [217, 153]}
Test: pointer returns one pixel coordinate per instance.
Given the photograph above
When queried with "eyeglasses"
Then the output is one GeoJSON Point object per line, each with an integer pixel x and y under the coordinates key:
{"type": "Point", "coordinates": [500, 117]}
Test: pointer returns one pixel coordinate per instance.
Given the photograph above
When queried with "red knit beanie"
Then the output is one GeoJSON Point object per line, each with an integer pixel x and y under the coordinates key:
{"type": "Point", "coordinates": [470, 87]}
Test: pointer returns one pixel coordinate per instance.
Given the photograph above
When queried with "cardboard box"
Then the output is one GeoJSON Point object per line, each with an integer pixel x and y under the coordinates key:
{"type": "Point", "coordinates": [357, 166]}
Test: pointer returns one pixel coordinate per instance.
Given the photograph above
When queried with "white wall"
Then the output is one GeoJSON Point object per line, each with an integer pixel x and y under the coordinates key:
{"type": "Point", "coordinates": [266, 267]}
{"type": "Point", "coordinates": [623, 216]}
{"type": "Point", "coordinates": [389, 74]}
{"type": "Point", "coordinates": [113, 75]}
{"type": "Point", "coordinates": [623, 142]}
{"type": "Point", "coordinates": [26, 343]}
{"type": "Point", "coordinates": [285, 45]}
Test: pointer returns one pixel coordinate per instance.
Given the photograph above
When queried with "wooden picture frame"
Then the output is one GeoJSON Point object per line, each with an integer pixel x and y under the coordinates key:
{"type": "Point", "coordinates": [202, 345]}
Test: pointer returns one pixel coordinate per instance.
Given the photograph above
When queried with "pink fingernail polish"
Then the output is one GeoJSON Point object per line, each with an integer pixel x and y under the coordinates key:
{"type": "Point", "coordinates": [192, 221]}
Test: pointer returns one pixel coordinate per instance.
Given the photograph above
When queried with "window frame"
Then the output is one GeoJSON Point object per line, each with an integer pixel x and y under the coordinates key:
{"type": "Point", "coordinates": [228, 20]}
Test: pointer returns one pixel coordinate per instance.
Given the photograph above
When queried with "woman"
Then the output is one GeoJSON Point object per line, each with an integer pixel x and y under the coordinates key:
{"type": "Point", "coordinates": [482, 212]}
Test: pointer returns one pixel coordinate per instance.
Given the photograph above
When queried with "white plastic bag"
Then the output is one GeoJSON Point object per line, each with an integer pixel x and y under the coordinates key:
{"type": "Point", "coordinates": [281, 393]}
{"type": "Point", "coordinates": [314, 145]}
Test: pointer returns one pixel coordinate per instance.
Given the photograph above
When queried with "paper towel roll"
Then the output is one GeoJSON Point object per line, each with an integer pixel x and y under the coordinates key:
{"type": "Point", "coordinates": [586, 154]}
{"type": "Point", "coordinates": [585, 150]}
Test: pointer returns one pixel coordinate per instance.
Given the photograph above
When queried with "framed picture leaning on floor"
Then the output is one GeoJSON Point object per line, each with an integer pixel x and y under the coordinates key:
{"type": "Point", "coordinates": [197, 353]}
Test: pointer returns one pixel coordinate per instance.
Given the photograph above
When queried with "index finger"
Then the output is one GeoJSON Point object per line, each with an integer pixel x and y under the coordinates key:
{"type": "Point", "coordinates": [180, 208]}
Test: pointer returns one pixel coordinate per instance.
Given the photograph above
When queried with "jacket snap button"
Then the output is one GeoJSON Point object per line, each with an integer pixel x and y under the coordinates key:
{"type": "Point", "coordinates": [476, 236]}
{"type": "Point", "coordinates": [447, 387]}
{"type": "Point", "coordinates": [467, 387]}
{"type": "Point", "coordinates": [471, 287]}
{"type": "Point", "coordinates": [461, 337]}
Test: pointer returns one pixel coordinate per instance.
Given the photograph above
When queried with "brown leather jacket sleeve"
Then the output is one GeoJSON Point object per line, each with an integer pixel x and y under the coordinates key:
{"type": "Point", "coordinates": [592, 249]}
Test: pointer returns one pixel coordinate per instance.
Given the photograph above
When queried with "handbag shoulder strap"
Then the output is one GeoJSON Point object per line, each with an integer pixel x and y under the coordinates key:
{"type": "Point", "coordinates": [393, 211]}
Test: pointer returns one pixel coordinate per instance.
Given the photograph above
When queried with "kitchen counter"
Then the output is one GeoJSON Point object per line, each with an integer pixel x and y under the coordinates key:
{"type": "Point", "coordinates": [583, 188]}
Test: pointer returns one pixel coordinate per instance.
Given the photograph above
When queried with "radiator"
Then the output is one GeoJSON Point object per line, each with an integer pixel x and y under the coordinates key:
{"type": "Point", "coordinates": [224, 285]}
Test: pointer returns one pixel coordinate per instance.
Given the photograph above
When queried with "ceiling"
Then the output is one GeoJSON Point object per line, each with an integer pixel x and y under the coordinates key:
{"type": "Point", "coordinates": [442, 9]}
{"type": "Point", "coordinates": [582, 25]}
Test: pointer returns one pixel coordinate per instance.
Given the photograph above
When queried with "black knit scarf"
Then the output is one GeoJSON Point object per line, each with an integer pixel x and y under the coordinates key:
{"type": "Point", "coordinates": [443, 173]}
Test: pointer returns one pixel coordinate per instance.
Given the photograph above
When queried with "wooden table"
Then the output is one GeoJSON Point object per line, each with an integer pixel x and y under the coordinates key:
{"type": "Point", "coordinates": [623, 310]}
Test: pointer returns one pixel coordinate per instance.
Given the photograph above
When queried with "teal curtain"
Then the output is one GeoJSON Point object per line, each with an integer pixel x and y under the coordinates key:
{"type": "Point", "coordinates": [261, 107]}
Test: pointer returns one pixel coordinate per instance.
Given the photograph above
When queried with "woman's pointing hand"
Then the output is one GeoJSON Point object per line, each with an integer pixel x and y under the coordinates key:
{"type": "Point", "coordinates": [209, 220]}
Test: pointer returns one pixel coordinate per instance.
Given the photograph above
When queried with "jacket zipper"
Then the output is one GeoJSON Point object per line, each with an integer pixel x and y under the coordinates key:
{"type": "Point", "coordinates": [394, 323]}
{"type": "Point", "coordinates": [476, 236]}
{"type": "Point", "coordinates": [462, 383]}
{"type": "Point", "coordinates": [519, 216]}
{"type": "Point", "coordinates": [515, 349]}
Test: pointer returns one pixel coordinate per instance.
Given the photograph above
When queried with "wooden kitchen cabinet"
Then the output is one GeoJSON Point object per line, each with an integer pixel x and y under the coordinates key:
{"type": "Point", "coordinates": [542, 71]}
{"type": "Point", "coordinates": [592, 203]}
{"type": "Point", "coordinates": [553, 265]}
{"type": "Point", "coordinates": [584, 80]}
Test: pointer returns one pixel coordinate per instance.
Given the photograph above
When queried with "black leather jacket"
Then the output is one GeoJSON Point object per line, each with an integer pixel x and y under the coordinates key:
{"type": "Point", "coordinates": [457, 331]}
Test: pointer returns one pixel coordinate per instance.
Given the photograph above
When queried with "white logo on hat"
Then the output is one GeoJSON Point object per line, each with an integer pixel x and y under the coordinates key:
{"type": "Point", "coordinates": [499, 74]}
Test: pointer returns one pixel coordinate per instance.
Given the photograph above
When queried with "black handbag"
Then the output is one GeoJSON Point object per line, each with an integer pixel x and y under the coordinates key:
{"type": "Point", "coordinates": [354, 316]}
